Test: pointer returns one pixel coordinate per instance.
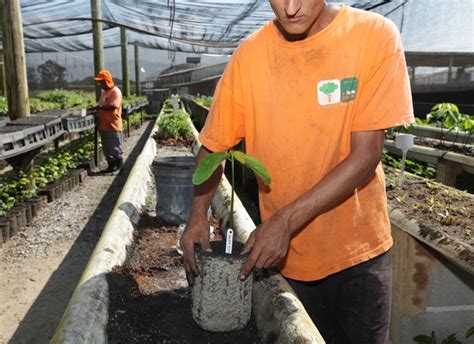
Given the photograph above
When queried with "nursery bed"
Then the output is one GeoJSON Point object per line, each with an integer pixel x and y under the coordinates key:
{"type": "Point", "coordinates": [149, 300]}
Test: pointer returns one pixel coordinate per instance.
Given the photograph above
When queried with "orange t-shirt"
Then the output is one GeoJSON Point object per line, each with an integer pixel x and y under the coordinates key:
{"type": "Point", "coordinates": [111, 120]}
{"type": "Point", "coordinates": [296, 104]}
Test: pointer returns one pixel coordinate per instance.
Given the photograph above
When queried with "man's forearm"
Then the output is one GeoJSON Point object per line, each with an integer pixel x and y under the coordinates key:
{"type": "Point", "coordinates": [204, 193]}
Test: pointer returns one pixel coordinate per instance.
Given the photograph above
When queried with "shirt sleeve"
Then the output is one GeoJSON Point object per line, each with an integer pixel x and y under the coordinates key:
{"type": "Point", "coordinates": [385, 95]}
{"type": "Point", "coordinates": [115, 98]}
{"type": "Point", "coordinates": [224, 127]}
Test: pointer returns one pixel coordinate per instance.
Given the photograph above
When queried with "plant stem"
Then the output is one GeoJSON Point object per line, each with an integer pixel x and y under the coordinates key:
{"type": "Point", "coordinates": [231, 218]}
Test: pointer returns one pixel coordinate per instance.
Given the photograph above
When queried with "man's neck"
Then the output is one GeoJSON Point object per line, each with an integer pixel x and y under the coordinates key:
{"type": "Point", "coordinates": [325, 17]}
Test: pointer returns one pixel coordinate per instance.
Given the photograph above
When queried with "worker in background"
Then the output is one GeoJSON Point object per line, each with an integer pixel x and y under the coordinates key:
{"type": "Point", "coordinates": [110, 121]}
{"type": "Point", "coordinates": [312, 92]}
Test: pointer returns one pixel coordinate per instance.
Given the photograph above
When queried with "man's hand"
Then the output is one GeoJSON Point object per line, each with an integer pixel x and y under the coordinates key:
{"type": "Point", "coordinates": [268, 244]}
{"type": "Point", "coordinates": [196, 232]}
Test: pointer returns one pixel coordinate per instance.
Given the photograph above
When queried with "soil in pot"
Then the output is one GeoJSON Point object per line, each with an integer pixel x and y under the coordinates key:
{"type": "Point", "coordinates": [149, 301]}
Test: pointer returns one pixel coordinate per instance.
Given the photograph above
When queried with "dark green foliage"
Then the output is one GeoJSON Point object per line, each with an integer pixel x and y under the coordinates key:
{"type": "Point", "coordinates": [420, 169]}
{"type": "Point", "coordinates": [451, 339]}
{"type": "Point", "coordinates": [16, 186]}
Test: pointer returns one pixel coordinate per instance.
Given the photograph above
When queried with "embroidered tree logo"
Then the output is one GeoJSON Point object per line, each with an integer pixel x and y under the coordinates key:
{"type": "Point", "coordinates": [328, 89]}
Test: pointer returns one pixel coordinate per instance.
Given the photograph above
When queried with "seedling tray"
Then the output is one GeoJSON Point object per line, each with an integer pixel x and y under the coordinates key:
{"type": "Point", "coordinates": [18, 139]}
{"type": "Point", "coordinates": [4, 121]}
{"type": "Point", "coordinates": [52, 124]}
{"type": "Point", "coordinates": [74, 124]}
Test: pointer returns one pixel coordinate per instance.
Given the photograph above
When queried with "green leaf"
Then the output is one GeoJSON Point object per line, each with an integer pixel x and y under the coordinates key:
{"type": "Point", "coordinates": [451, 339]}
{"type": "Point", "coordinates": [255, 165]}
{"type": "Point", "coordinates": [419, 121]}
{"type": "Point", "coordinates": [470, 332]}
{"type": "Point", "coordinates": [207, 166]}
{"type": "Point", "coordinates": [425, 339]}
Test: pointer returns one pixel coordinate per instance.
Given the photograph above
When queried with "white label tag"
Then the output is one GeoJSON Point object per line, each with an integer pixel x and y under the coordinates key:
{"type": "Point", "coordinates": [228, 244]}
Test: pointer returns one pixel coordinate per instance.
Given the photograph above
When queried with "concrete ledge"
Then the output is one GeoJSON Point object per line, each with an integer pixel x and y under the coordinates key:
{"type": "Point", "coordinates": [85, 318]}
{"type": "Point", "coordinates": [454, 250]}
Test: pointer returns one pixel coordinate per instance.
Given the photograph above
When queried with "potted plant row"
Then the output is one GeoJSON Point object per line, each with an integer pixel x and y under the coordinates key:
{"type": "Point", "coordinates": [20, 199]}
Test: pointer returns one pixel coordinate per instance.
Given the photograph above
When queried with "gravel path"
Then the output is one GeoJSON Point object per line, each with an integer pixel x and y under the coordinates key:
{"type": "Point", "coordinates": [40, 268]}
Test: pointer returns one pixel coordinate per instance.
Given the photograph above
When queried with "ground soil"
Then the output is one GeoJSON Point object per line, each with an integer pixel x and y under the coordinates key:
{"type": "Point", "coordinates": [433, 205]}
{"type": "Point", "coordinates": [149, 301]}
{"type": "Point", "coordinates": [40, 268]}
{"type": "Point", "coordinates": [445, 145]}
{"type": "Point", "coordinates": [173, 142]}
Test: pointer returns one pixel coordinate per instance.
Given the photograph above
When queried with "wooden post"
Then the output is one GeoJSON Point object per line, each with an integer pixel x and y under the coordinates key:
{"type": "Point", "coordinates": [98, 61]}
{"type": "Point", "coordinates": [137, 71]}
{"type": "Point", "coordinates": [14, 55]}
{"type": "Point", "coordinates": [4, 77]}
{"type": "Point", "coordinates": [124, 48]}
{"type": "Point", "coordinates": [98, 42]}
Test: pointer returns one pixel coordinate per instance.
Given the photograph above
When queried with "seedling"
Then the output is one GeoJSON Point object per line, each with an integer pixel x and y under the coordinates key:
{"type": "Point", "coordinates": [210, 163]}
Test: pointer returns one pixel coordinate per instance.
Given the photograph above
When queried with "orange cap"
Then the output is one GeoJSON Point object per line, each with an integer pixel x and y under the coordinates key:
{"type": "Point", "coordinates": [105, 75]}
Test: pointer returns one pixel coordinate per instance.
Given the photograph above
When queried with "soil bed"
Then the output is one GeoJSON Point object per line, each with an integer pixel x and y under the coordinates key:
{"type": "Point", "coordinates": [149, 301]}
{"type": "Point", "coordinates": [445, 145]}
{"type": "Point", "coordinates": [149, 298]}
{"type": "Point", "coordinates": [433, 205]}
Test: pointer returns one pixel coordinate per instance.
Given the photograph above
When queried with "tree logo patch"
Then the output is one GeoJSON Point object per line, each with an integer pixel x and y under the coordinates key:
{"type": "Point", "coordinates": [336, 91]}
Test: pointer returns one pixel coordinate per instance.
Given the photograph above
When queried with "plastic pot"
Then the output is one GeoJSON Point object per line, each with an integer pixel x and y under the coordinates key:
{"type": "Point", "coordinates": [5, 229]}
{"type": "Point", "coordinates": [174, 187]}
{"type": "Point", "coordinates": [220, 300]}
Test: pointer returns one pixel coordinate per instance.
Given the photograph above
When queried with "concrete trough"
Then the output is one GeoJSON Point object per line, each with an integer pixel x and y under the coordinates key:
{"type": "Point", "coordinates": [280, 316]}
{"type": "Point", "coordinates": [433, 282]}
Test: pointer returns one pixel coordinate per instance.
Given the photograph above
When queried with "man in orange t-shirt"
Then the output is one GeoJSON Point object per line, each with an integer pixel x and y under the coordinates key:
{"type": "Point", "coordinates": [110, 121]}
{"type": "Point", "coordinates": [312, 92]}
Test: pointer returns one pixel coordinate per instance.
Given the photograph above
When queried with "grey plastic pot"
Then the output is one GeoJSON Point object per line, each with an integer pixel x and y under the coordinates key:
{"type": "Point", "coordinates": [174, 188]}
{"type": "Point", "coordinates": [220, 300]}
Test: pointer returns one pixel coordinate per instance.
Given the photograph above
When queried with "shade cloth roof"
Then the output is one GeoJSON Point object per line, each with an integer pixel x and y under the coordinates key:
{"type": "Point", "coordinates": [205, 26]}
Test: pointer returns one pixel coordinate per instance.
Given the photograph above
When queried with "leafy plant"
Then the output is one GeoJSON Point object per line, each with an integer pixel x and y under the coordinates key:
{"type": "Point", "coordinates": [447, 115]}
{"type": "Point", "coordinates": [209, 164]}
{"type": "Point", "coordinates": [16, 186]}
{"type": "Point", "coordinates": [204, 101]}
{"type": "Point", "coordinates": [174, 125]}
{"type": "Point", "coordinates": [411, 166]}
{"type": "Point", "coordinates": [451, 339]}
{"type": "Point", "coordinates": [3, 106]}
{"type": "Point", "coordinates": [68, 99]}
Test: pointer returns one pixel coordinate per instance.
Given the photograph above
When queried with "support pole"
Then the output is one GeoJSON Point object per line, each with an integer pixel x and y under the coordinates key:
{"type": "Point", "coordinates": [98, 61]}
{"type": "Point", "coordinates": [14, 56]}
{"type": "Point", "coordinates": [98, 42]}
{"type": "Point", "coordinates": [450, 69]}
{"type": "Point", "coordinates": [413, 74]}
{"type": "Point", "coordinates": [4, 77]}
{"type": "Point", "coordinates": [137, 71]}
{"type": "Point", "coordinates": [125, 78]}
